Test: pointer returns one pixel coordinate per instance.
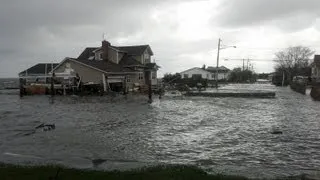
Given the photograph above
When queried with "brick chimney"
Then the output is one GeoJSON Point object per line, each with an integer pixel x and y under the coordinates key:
{"type": "Point", "coordinates": [105, 48]}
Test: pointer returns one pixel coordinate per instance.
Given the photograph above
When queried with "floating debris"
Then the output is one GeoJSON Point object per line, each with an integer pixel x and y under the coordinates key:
{"type": "Point", "coordinates": [21, 155]}
{"type": "Point", "coordinates": [46, 127]}
{"type": "Point", "coordinates": [97, 162]}
{"type": "Point", "coordinates": [30, 133]}
{"type": "Point", "coordinates": [276, 132]}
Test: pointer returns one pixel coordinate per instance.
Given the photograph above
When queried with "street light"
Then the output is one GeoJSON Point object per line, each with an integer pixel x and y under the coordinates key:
{"type": "Point", "coordinates": [225, 47]}
{"type": "Point", "coordinates": [220, 48]}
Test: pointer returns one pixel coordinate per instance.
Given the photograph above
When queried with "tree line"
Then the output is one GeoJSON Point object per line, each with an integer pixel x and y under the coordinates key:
{"type": "Point", "coordinates": [237, 75]}
{"type": "Point", "coordinates": [291, 62]}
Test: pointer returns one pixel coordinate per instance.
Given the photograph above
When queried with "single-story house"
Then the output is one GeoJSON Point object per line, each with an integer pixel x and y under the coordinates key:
{"type": "Point", "coordinates": [223, 72]}
{"type": "Point", "coordinates": [112, 65]}
{"type": "Point", "coordinates": [315, 68]}
{"type": "Point", "coordinates": [208, 73]}
{"type": "Point", "coordinates": [38, 72]}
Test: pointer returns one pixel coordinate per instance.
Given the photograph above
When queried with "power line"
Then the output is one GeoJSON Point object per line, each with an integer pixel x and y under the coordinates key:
{"type": "Point", "coordinates": [269, 48]}
{"type": "Point", "coordinates": [250, 59]}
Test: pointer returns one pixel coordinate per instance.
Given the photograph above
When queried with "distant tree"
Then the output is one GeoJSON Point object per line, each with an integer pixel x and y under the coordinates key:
{"type": "Point", "coordinates": [238, 75]}
{"type": "Point", "coordinates": [204, 67]}
{"type": "Point", "coordinates": [293, 61]}
{"type": "Point", "coordinates": [263, 75]}
{"type": "Point", "coordinates": [171, 78]}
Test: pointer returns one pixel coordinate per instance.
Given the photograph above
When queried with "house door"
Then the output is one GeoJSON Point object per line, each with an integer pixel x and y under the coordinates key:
{"type": "Point", "coordinates": [147, 77]}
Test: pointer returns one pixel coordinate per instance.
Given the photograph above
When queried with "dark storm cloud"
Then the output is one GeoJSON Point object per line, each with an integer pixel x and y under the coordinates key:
{"type": "Point", "coordinates": [25, 20]}
{"type": "Point", "coordinates": [44, 30]}
{"type": "Point", "coordinates": [239, 13]}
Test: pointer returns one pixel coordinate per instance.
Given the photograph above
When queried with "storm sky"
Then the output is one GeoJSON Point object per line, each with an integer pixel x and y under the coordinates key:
{"type": "Point", "coordinates": [182, 33]}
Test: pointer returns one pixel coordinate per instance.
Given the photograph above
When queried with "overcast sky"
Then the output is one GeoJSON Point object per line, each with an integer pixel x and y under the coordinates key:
{"type": "Point", "coordinates": [182, 33]}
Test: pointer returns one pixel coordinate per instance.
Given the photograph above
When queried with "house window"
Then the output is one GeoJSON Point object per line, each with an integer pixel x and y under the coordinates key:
{"type": "Point", "coordinates": [140, 76]}
{"type": "Point", "coordinates": [146, 57]}
{"type": "Point", "coordinates": [196, 76]}
{"type": "Point", "coordinates": [186, 76]}
{"type": "Point", "coordinates": [98, 56]}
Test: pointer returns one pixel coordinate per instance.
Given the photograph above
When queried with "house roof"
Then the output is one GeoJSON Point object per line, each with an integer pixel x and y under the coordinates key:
{"type": "Point", "coordinates": [214, 69]}
{"type": "Point", "coordinates": [106, 66]}
{"type": "Point", "coordinates": [195, 68]}
{"type": "Point", "coordinates": [135, 50]}
{"type": "Point", "coordinates": [131, 50]}
{"type": "Point", "coordinates": [41, 68]}
{"type": "Point", "coordinates": [88, 52]}
{"type": "Point", "coordinates": [125, 63]}
{"type": "Point", "coordinates": [152, 66]}
{"type": "Point", "coordinates": [128, 60]}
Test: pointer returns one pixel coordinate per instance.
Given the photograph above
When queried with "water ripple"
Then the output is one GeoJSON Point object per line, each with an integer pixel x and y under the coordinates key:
{"type": "Point", "coordinates": [231, 135]}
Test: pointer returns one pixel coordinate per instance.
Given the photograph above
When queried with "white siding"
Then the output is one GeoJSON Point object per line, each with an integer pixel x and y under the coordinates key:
{"type": "Point", "coordinates": [113, 55]}
{"type": "Point", "coordinates": [195, 71]}
{"type": "Point", "coordinates": [146, 57]}
{"type": "Point", "coordinates": [87, 74]}
{"type": "Point", "coordinates": [204, 74]}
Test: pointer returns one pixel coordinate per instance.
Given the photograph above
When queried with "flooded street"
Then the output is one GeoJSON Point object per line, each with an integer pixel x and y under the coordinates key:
{"type": "Point", "coordinates": [221, 135]}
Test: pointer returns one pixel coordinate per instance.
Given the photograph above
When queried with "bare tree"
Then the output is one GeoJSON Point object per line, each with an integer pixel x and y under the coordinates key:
{"type": "Point", "coordinates": [293, 60]}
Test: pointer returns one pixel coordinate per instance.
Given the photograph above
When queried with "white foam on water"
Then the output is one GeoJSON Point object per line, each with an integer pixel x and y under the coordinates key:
{"type": "Point", "coordinates": [20, 155]}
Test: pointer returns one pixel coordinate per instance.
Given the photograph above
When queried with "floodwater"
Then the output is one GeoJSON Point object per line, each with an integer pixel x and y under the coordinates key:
{"type": "Point", "coordinates": [220, 135]}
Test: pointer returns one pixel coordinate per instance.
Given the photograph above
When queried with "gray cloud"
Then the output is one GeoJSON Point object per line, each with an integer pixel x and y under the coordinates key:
{"type": "Point", "coordinates": [44, 30]}
{"type": "Point", "coordinates": [235, 13]}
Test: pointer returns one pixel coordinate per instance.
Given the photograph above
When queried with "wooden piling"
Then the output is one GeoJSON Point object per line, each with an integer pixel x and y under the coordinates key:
{"type": "Point", "coordinates": [149, 86]}
{"type": "Point", "coordinates": [52, 85]}
{"type": "Point", "coordinates": [125, 85]}
{"type": "Point", "coordinates": [21, 86]}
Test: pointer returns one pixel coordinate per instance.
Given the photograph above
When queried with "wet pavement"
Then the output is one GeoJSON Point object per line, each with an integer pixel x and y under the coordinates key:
{"type": "Point", "coordinates": [221, 135]}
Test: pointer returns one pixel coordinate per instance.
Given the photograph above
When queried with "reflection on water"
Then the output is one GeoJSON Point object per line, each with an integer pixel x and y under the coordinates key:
{"type": "Point", "coordinates": [231, 135]}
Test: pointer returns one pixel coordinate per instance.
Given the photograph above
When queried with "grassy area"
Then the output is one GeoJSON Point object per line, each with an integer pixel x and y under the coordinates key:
{"type": "Point", "coordinates": [10, 172]}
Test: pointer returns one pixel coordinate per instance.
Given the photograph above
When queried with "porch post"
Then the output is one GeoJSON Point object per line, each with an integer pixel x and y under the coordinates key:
{"type": "Point", "coordinates": [104, 83]}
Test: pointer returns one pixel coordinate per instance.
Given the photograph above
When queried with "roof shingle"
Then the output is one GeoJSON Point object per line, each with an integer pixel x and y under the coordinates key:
{"type": "Point", "coordinates": [105, 66]}
{"type": "Point", "coordinates": [108, 66]}
{"type": "Point", "coordinates": [220, 69]}
{"type": "Point", "coordinates": [40, 68]}
{"type": "Point", "coordinates": [128, 60]}
{"type": "Point", "coordinates": [134, 50]}
{"type": "Point", "coordinates": [87, 53]}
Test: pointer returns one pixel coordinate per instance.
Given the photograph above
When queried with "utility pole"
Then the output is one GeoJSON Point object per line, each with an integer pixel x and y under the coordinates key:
{"type": "Point", "coordinates": [243, 65]}
{"type": "Point", "coordinates": [217, 71]}
{"type": "Point", "coordinates": [218, 54]}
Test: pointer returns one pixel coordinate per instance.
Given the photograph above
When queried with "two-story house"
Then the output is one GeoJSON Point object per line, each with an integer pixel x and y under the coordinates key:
{"type": "Point", "coordinates": [110, 65]}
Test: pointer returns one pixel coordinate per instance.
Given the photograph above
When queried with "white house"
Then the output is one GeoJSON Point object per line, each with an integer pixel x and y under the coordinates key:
{"type": "Point", "coordinates": [223, 72]}
{"type": "Point", "coordinates": [209, 73]}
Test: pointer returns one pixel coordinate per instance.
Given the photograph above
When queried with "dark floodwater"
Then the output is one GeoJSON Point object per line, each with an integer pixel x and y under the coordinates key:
{"type": "Point", "coordinates": [227, 135]}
